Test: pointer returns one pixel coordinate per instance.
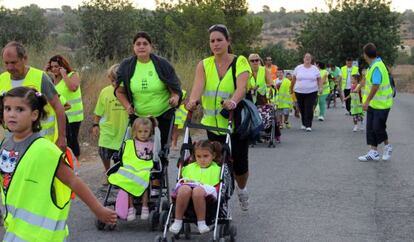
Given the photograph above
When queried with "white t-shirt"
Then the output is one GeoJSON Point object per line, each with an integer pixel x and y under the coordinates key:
{"type": "Point", "coordinates": [348, 80]}
{"type": "Point", "coordinates": [306, 79]}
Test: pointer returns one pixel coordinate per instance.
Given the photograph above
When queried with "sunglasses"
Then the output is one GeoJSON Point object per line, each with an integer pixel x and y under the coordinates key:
{"type": "Point", "coordinates": [254, 60]}
{"type": "Point", "coordinates": [221, 27]}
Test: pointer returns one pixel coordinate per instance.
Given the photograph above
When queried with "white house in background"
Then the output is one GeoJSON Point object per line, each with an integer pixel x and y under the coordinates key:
{"type": "Point", "coordinates": [405, 49]}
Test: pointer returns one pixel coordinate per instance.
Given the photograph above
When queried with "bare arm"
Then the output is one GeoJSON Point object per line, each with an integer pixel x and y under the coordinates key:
{"type": "Point", "coordinates": [198, 87]}
{"type": "Point", "coordinates": [61, 121]}
{"type": "Point", "coordinates": [65, 174]}
{"type": "Point", "coordinates": [371, 94]}
{"type": "Point", "coordinates": [95, 128]}
{"type": "Point", "coordinates": [71, 82]}
{"type": "Point", "coordinates": [120, 93]}
{"type": "Point", "coordinates": [269, 80]}
{"type": "Point", "coordinates": [292, 84]}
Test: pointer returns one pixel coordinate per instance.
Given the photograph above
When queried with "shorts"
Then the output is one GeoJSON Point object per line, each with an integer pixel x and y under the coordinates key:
{"type": "Point", "coordinates": [106, 153]}
{"type": "Point", "coordinates": [282, 111]}
{"type": "Point", "coordinates": [211, 192]}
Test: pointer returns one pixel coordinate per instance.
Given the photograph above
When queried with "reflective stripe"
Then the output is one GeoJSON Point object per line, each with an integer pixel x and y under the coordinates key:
{"type": "Point", "coordinates": [74, 113]}
{"type": "Point", "coordinates": [283, 95]}
{"type": "Point", "coordinates": [382, 98]}
{"type": "Point", "coordinates": [384, 88]}
{"type": "Point", "coordinates": [209, 112]}
{"type": "Point", "coordinates": [74, 101]}
{"type": "Point", "coordinates": [10, 237]}
{"type": "Point", "coordinates": [36, 220]}
{"type": "Point", "coordinates": [48, 131]}
{"type": "Point", "coordinates": [221, 94]}
{"type": "Point", "coordinates": [135, 170]}
{"type": "Point", "coordinates": [133, 177]}
{"type": "Point", "coordinates": [49, 119]}
{"type": "Point", "coordinates": [283, 101]}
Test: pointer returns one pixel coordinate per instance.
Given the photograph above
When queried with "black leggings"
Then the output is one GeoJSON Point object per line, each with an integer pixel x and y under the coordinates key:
{"type": "Point", "coordinates": [72, 132]}
{"type": "Point", "coordinates": [239, 151]}
{"type": "Point", "coordinates": [348, 101]}
{"type": "Point", "coordinates": [306, 103]}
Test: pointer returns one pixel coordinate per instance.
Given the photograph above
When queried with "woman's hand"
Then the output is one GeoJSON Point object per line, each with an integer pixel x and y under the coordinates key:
{"type": "Point", "coordinates": [62, 71]}
{"type": "Point", "coordinates": [130, 109]}
{"type": "Point", "coordinates": [174, 100]}
{"type": "Point", "coordinates": [191, 105]}
{"type": "Point", "coordinates": [229, 104]}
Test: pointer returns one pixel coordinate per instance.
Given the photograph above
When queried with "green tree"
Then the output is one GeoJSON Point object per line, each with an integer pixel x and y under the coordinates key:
{"type": "Point", "coordinates": [282, 57]}
{"type": "Point", "coordinates": [347, 27]}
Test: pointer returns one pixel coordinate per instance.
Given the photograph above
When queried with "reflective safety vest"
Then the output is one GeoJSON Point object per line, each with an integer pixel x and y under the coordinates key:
{"type": "Point", "coordinates": [34, 79]}
{"type": "Point", "coordinates": [383, 97]}
{"type": "Point", "coordinates": [37, 203]}
{"type": "Point", "coordinates": [74, 98]}
{"type": "Point", "coordinates": [284, 99]}
{"type": "Point", "coordinates": [259, 81]}
{"type": "Point", "coordinates": [215, 91]}
{"type": "Point", "coordinates": [181, 114]}
{"type": "Point", "coordinates": [326, 87]}
{"type": "Point", "coordinates": [206, 176]}
{"type": "Point", "coordinates": [344, 70]}
{"type": "Point", "coordinates": [134, 174]}
{"type": "Point", "coordinates": [356, 106]}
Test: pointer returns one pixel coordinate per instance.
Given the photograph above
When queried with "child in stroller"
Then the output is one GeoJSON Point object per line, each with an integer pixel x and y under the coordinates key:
{"type": "Point", "coordinates": [199, 182]}
{"type": "Point", "coordinates": [133, 176]}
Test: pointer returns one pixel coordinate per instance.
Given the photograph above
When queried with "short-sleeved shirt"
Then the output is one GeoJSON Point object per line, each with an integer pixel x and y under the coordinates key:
{"type": "Point", "coordinates": [335, 73]}
{"type": "Point", "coordinates": [306, 79]}
{"type": "Point", "coordinates": [48, 89]}
{"type": "Point", "coordinates": [114, 119]}
{"type": "Point", "coordinates": [11, 152]}
{"type": "Point", "coordinates": [376, 78]}
{"type": "Point", "coordinates": [144, 150]}
{"type": "Point", "coordinates": [150, 94]}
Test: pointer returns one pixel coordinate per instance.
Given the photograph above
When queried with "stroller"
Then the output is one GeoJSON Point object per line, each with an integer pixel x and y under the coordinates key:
{"type": "Point", "coordinates": [268, 113]}
{"type": "Point", "coordinates": [218, 216]}
{"type": "Point", "coordinates": [156, 203]}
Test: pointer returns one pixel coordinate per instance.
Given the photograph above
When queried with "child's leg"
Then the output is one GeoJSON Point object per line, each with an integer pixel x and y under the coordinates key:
{"type": "Point", "coordinates": [144, 199]}
{"type": "Point", "coordinates": [130, 201]}
{"type": "Point", "coordinates": [174, 137]}
{"type": "Point", "coordinates": [199, 201]}
{"type": "Point", "coordinates": [181, 203]}
{"type": "Point", "coordinates": [355, 118]}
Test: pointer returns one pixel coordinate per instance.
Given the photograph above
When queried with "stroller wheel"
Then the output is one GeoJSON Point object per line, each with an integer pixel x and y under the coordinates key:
{"type": "Point", "coordinates": [99, 225]}
{"type": "Point", "coordinates": [165, 205]}
{"type": "Point", "coordinates": [163, 219]}
{"type": "Point", "coordinates": [159, 238]}
{"type": "Point", "coordinates": [153, 220]}
{"type": "Point", "coordinates": [187, 231]}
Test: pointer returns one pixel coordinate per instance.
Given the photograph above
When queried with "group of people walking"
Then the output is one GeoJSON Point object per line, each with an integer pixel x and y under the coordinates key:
{"type": "Point", "coordinates": [144, 92]}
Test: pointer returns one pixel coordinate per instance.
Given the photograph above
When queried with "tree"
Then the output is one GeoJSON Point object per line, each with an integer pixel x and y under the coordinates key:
{"type": "Point", "coordinates": [347, 27]}
{"type": "Point", "coordinates": [282, 57]}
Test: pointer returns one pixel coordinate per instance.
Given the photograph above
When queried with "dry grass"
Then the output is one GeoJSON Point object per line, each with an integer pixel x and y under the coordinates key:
{"type": "Point", "coordinates": [404, 78]}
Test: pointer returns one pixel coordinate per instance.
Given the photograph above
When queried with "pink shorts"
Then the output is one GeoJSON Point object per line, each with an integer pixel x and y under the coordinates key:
{"type": "Point", "coordinates": [211, 192]}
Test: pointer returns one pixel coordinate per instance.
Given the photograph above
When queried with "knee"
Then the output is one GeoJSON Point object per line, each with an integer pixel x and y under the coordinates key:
{"type": "Point", "coordinates": [198, 192]}
{"type": "Point", "coordinates": [184, 190]}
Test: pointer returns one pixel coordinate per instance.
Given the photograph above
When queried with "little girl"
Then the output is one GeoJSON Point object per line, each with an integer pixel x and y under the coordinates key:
{"type": "Point", "coordinates": [36, 188]}
{"type": "Point", "coordinates": [137, 161]}
{"type": "Point", "coordinates": [198, 181]}
{"type": "Point", "coordinates": [356, 106]}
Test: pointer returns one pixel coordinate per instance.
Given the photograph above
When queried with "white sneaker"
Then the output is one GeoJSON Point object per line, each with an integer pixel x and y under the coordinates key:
{"type": "Point", "coordinates": [387, 152]}
{"type": "Point", "coordinates": [355, 128]}
{"type": "Point", "coordinates": [243, 199]}
{"type": "Point", "coordinates": [203, 228]}
{"type": "Point", "coordinates": [308, 129]}
{"type": "Point", "coordinates": [176, 227]}
{"type": "Point", "coordinates": [131, 214]}
{"type": "Point", "coordinates": [321, 118]}
{"type": "Point", "coordinates": [144, 213]}
{"type": "Point", "coordinates": [302, 127]}
{"type": "Point", "coordinates": [372, 155]}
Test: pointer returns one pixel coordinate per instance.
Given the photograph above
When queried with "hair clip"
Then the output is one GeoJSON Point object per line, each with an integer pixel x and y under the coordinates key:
{"type": "Point", "coordinates": [38, 94]}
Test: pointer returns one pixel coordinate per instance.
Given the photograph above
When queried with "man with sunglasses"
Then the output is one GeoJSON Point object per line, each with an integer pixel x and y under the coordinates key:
{"type": "Point", "coordinates": [270, 67]}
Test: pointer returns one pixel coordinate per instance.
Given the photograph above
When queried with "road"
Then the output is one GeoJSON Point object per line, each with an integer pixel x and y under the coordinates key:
{"type": "Point", "coordinates": [309, 188]}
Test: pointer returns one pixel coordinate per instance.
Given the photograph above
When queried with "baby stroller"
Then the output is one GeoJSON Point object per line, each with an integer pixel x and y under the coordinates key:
{"type": "Point", "coordinates": [156, 203]}
{"type": "Point", "coordinates": [268, 113]}
{"type": "Point", "coordinates": [218, 216]}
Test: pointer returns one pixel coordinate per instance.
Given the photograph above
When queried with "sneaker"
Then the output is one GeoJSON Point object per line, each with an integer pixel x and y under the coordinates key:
{"type": "Point", "coordinates": [321, 118]}
{"type": "Point", "coordinates": [176, 227]}
{"type": "Point", "coordinates": [277, 139]}
{"type": "Point", "coordinates": [203, 228]}
{"type": "Point", "coordinates": [387, 152]}
{"type": "Point", "coordinates": [131, 214]}
{"type": "Point", "coordinates": [308, 129]}
{"type": "Point", "coordinates": [302, 127]}
{"type": "Point", "coordinates": [355, 129]}
{"type": "Point", "coordinates": [288, 126]}
{"type": "Point", "coordinates": [372, 155]}
{"type": "Point", "coordinates": [144, 213]}
{"type": "Point", "coordinates": [243, 199]}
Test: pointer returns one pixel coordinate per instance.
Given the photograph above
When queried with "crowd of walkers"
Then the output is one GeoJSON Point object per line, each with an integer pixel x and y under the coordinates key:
{"type": "Point", "coordinates": [42, 111]}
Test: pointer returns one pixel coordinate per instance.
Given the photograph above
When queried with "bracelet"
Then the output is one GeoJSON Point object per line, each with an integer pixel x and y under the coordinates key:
{"type": "Point", "coordinates": [234, 103]}
{"type": "Point", "coordinates": [95, 125]}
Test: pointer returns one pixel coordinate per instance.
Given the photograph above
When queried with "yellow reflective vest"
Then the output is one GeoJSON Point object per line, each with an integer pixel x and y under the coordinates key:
{"type": "Point", "coordinates": [344, 70]}
{"type": "Point", "coordinates": [326, 87]}
{"type": "Point", "coordinates": [181, 114]}
{"type": "Point", "coordinates": [34, 79]}
{"type": "Point", "coordinates": [284, 99]}
{"type": "Point", "coordinates": [207, 176]}
{"type": "Point", "coordinates": [383, 97]}
{"type": "Point", "coordinates": [74, 98]}
{"type": "Point", "coordinates": [134, 174]}
{"type": "Point", "coordinates": [37, 203]}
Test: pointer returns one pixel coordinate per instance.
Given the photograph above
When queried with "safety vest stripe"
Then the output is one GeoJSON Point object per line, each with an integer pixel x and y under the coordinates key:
{"type": "Point", "coordinates": [11, 237]}
{"type": "Point", "coordinates": [284, 101]}
{"type": "Point", "coordinates": [381, 89]}
{"type": "Point", "coordinates": [131, 176]}
{"type": "Point", "coordinates": [49, 119]}
{"type": "Point", "coordinates": [74, 101]}
{"type": "Point", "coordinates": [36, 220]}
{"type": "Point", "coordinates": [74, 113]}
{"type": "Point", "coordinates": [135, 170]}
{"type": "Point", "coordinates": [48, 131]}
{"type": "Point", "coordinates": [221, 94]}
{"type": "Point", "coordinates": [382, 98]}
{"type": "Point", "coordinates": [283, 95]}
{"type": "Point", "coordinates": [209, 112]}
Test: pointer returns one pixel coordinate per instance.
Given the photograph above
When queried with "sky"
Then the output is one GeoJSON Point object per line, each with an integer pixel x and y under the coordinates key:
{"type": "Point", "coordinates": [254, 5]}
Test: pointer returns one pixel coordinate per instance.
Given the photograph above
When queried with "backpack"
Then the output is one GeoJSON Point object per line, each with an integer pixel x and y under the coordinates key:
{"type": "Point", "coordinates": [247, 119]}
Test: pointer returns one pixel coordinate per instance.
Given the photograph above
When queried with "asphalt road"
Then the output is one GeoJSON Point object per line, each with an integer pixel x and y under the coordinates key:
{"type": "Point", "coordinates": [309, 188]}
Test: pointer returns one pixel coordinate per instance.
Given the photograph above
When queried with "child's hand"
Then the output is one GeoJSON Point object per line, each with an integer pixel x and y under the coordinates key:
{"type": "Point", "coordinates": [106, 215]}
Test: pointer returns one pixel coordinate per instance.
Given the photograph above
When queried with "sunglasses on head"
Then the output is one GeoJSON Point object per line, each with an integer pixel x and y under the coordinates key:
{"type": "Point", "coordinates": [254, 60]}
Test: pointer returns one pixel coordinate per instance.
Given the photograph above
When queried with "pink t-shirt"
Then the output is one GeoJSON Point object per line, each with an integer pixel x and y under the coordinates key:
{"type": "Point", "coordinates": [306, 79]}
{"type": "Point", "coordinates": [144, 149]}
